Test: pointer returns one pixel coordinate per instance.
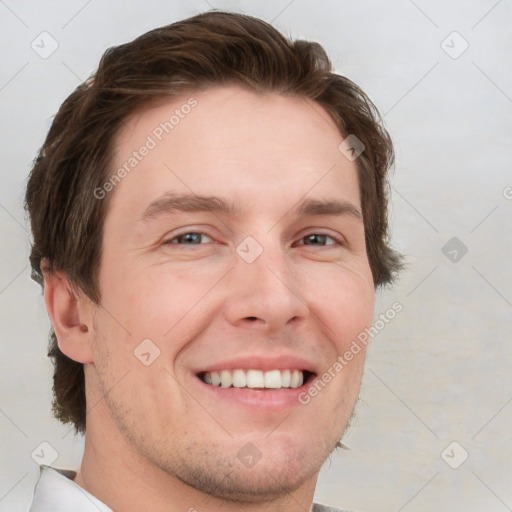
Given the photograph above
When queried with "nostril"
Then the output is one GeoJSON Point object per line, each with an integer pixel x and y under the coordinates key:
{"type": "Point", "coordinates": [252, 318]}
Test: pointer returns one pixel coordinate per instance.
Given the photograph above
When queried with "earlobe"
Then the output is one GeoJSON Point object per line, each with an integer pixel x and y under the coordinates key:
{"type": "Point", "coordinates": [71, 317]}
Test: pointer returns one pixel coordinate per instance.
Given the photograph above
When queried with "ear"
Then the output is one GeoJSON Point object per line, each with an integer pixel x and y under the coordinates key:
{"type": "Point", "coordinates": [71, 314]}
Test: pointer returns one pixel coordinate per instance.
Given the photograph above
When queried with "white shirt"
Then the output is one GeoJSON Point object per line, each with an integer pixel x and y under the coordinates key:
{"type": "Point", "coordinates": [56, 492]}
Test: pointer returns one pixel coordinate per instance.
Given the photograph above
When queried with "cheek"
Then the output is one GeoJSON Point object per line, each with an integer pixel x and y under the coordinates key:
{"type": "Point", "coordinates": [346, 309]}
{"type": "Point", "coordinates": [164, 305]}
{"type": "Point", "coordinates": [346, 304]}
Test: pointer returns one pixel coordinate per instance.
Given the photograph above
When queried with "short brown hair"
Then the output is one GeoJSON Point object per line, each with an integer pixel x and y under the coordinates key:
{"type": "Point", "coordinates": [212, 48]}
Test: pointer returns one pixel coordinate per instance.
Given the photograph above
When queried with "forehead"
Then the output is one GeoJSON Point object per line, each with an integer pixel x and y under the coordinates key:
{"type": "Point", "coordinates": [229, 141]}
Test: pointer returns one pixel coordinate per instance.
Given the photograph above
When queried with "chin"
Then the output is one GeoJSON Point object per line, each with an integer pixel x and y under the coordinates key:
{"type": "Point", "coordinates": [252, 474]}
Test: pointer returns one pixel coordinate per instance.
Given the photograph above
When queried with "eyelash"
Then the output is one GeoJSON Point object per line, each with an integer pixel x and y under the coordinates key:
{"type": "Point", "coordinates": [322, 235]}
{"type": "Point", "coordinates": [171, 240]}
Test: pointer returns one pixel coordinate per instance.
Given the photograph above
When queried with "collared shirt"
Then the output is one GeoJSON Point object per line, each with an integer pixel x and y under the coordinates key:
{"type": "Point", "coordinates": [56, 492]}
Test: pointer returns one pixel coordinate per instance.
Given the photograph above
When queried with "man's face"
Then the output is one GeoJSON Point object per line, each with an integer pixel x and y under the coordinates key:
{"type": "Point", "coordinates": [184, 274]}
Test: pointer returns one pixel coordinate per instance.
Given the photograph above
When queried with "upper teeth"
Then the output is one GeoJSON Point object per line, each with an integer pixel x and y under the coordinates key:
{"type": "Point", "coordinates": [274, 379]}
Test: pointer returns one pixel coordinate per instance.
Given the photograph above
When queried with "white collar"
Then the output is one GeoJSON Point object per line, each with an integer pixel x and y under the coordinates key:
{"type": "Point", "coordinates": [56, 492]}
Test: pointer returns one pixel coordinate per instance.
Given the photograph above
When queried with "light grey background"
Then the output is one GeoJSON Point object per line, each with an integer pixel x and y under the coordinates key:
{"type": "Point", "coordinates": [440, 371]}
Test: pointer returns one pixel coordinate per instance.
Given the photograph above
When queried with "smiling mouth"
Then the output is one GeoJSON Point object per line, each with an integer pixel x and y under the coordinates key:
{"type": "Point", "coordinates": [257, 379]}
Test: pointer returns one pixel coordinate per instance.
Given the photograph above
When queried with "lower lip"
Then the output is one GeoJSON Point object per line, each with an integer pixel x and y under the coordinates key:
{"type": "Point", "coordinates": [268, 399]}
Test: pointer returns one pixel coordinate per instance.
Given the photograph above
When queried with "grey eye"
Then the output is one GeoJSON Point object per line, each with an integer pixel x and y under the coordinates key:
{"type": "Point", "coordinates": [317, 239]}
{"type": "Point", "coordinates": [191, 238]}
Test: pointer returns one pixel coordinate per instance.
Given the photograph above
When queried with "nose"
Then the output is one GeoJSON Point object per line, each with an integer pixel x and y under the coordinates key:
{"type": "Point", "coordinates": [266, 294]}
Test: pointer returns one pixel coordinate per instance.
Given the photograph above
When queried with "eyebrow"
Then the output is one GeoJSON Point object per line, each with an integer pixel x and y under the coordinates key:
{"type": "Point", "coordinates": [188, 203]}
{"type": "Point", "coordinates": [334, 207]}
{"type": "Point", "coordinates": [192, 203]}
